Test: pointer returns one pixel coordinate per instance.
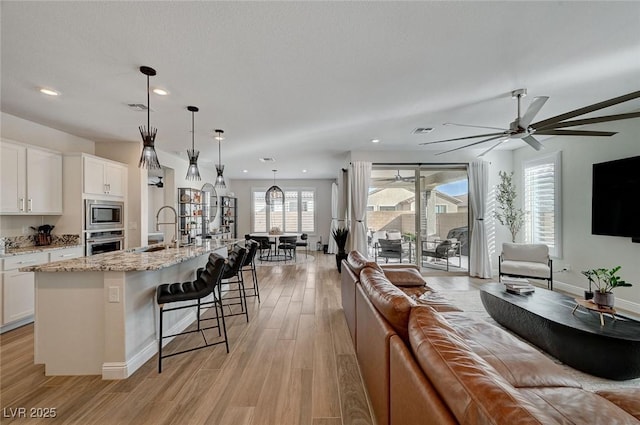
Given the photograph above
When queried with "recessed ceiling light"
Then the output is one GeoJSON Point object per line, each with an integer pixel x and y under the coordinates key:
{"type": "Point", "coordinates": [160, 92]}
{"type": "Point", "coordinates": [267, 159]}
{"type": "Point", "coordinates": [304, 171]}
{"type": "Point", "coordinates": [245, 171]}
{"type": "Point", "coordinates": [49, 92]}
{"type": "Point", "coordinates": [375, 140]}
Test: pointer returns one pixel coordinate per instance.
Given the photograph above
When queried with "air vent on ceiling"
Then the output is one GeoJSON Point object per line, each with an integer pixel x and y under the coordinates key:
{"type": "Point", "coordinates": [138, 107]}
{"type": "Point", "coordinates": [267, 159]}
{"type": "Point", "coordinates": [423, 130]}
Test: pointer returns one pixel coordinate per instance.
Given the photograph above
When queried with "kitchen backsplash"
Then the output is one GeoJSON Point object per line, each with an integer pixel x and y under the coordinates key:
{"type": "Point", "coordinates": [16, 242]}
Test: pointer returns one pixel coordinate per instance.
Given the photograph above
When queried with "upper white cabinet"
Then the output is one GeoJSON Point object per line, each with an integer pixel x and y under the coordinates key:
{"type": "Point", "coordinates": [103, 177]}
{"type": "Point", "coordinates": [30, 179]}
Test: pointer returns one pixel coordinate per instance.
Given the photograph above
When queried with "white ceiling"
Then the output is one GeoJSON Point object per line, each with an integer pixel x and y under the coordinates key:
{"type": "Point", "coordinates": [307, 82]}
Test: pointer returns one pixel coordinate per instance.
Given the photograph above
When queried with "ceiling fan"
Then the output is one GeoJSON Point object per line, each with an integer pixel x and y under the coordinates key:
{"type": "Point", "coordinates": [522, 128]}
{"type": "Point", "coordinates": [398, 178]}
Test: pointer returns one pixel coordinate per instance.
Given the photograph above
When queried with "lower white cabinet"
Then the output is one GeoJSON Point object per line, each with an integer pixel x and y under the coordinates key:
{"type": "Point", "coordinates": [17, 289]}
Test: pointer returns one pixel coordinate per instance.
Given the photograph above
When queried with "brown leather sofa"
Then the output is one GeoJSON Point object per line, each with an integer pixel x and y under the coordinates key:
{"type": "Point", "coordinates": [423, 361]}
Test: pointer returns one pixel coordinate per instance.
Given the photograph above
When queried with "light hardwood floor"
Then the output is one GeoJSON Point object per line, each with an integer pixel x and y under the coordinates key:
{"type": "Point", "coordinates": [293, 363]}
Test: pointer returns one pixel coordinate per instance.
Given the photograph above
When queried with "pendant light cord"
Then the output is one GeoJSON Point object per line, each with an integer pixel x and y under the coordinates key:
{"type": "Point", "coordinates": [192, 131]}
{"type": "Point", "coordinates": [148, 107]}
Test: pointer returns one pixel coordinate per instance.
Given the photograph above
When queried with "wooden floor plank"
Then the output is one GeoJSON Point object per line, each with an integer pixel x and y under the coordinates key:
{"type": "Point", "coordinates": [292, 364]}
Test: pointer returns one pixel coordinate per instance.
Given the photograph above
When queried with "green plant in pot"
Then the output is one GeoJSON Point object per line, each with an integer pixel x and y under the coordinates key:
{"type": "Point", "coordinates": [340, 236]}
{"type": "Point", "coordinates": [605, 280]}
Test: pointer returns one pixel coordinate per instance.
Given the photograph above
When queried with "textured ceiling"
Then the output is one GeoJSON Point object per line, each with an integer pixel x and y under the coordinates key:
{"type": "Point", "coordinates": [307, 82]}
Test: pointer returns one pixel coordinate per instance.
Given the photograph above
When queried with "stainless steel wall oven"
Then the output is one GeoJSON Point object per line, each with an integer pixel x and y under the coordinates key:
{"type": "Point", "coordinates": [104, 241]}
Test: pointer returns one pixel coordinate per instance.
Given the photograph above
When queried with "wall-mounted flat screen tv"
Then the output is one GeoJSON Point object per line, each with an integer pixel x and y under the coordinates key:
{"type": "Point", "coordinates": [615, 206]}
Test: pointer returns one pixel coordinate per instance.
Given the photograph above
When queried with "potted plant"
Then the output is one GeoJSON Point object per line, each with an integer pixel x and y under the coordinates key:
{"type": "Point", "coordinates": [508, 215]}
{"type": "Point", "coordinates": [604, 280]}
{"type": "Point", "coordinates": [340, 236]}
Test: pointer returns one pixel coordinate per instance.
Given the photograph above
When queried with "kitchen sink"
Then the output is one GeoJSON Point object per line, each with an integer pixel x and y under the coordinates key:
{"type": "Point", "coordinates": [155, 248]}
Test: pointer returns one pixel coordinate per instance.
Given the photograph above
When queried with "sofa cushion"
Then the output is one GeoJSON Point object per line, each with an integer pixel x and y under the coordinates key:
{"type": "Point", "coordinates": [525, 268]}
{"type": "Point", "coordinates": [536, 253]}
{"type": "Point", "coordinates": [519, 363]}
{"type": "Point", "coordinates": [627, 399]}
{"type": "Point", "coordinates": [357, 262]}
{"type": "Point", "coordinates": [473, 390]}
{"type": "Point", "coordinates": [434, 300]}
{"type": "Point", "coordinates": [393, 304]}
{"type": "Point", "coordinates": [577, 406]}
{"type": "Point", "coordinates": [394, 235]}
{"type": "Point", "coordinates": [404, 276]}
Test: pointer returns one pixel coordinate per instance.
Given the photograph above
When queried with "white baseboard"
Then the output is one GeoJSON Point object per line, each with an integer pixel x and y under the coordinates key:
{"type": "Point", "coordinates": [122, 370]}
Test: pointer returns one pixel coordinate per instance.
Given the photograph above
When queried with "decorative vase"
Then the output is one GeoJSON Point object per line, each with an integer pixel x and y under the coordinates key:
{"type": "Point", "coordinates": [588, 295]}
{"type": "Point", "coordinates": [341, 255]}
{"type": "Point", "coordinates": [604, 299]}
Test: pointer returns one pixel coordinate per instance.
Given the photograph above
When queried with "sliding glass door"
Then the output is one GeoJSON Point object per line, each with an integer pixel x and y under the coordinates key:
{"type": "Point", "coordinates": [426, 208]}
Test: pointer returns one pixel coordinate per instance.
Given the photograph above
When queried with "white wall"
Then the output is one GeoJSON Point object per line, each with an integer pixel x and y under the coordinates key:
{"type": "Point", "coordinates": [242, 190]}
{"type": "Point", "coordinates": [20, 130]}
{"type": "Point", "coordinates": [581, 249]}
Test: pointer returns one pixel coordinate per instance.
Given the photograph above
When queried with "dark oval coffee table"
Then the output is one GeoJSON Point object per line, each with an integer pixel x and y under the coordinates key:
{"type": "Point", "coordinates": [545, 319]}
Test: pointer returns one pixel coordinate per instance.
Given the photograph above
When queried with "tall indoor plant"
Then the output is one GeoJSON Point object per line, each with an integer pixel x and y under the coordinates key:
{"type": "Point", "coordinates": [507, 213]}
{"type": "Point", "coordinates": [340, 236]}
{"type": "Point", "coordinates": [604, 280]}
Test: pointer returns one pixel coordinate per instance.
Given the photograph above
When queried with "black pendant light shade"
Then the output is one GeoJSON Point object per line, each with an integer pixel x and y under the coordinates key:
{"type": "Point", "coordinates": [274, 195]}
{"type": "Point", "coordinates": [192, 172]}
{"type": "Point", "coordinates": [149, 158]}
{"type": "Point", "coordinates": [220, 184]}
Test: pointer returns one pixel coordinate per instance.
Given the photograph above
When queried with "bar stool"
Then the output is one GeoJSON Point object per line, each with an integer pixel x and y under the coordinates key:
{"type": "Point", "coordinates": [232, 275]}
{"type": "Point", "coordinates": [207, 283]}
{"type": "Point", "coordinates": [249, 264]}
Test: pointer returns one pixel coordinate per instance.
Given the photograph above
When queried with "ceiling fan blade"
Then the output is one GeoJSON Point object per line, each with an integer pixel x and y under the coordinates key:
{"type": "Point", "coordinates": [463, 138]}
{"type": "Point", "coordinates": [533, 142]}
{"type": "Point", "coordinates": [586, 109]}
{"type": "Point", "coordinates": [493, 147]}
{"type": "Point", "coordinates": [594, 120]}
{"type": "Point", "coordinates": [475, 126]}
{"type": "Point", "coordinates": [532, 111]}
{"type": "Point", "coordinates": [472, 144]}
{"type": "Point", "coordinates": [553, 132]}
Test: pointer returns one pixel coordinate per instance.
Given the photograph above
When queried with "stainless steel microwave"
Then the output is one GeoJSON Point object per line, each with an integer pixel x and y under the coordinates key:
{"type": "Point", "coordinates": [101, 215]}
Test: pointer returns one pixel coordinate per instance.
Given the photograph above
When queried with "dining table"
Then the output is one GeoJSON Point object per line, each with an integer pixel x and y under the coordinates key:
{"type": "Point", "coordinates": [273, 239]}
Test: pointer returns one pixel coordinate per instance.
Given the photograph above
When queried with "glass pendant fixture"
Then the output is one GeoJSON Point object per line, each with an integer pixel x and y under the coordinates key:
{"type": "Point", "coordinates": [274, 194]}
{"type": "Point", "coordinates": [148, 158]}
{"type": "Point", "coordinates": [220, 184]}
{"type": "Point", "coordinates": [192, 172]}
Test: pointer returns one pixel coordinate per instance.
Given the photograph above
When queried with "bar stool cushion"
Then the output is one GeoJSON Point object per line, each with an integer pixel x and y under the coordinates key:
{"type": "Point", "coordinates": [172, 292]}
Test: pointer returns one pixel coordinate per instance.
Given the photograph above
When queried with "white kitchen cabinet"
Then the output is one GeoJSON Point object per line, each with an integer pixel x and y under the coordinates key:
{"type": "Point", "coordinates": [31, 180]}
{"type": "Point", "coordinates": [66, 254]}
{"type": "Point", "coordinates": [18, 287]}
{"type": "Point", "coordinates": [103, 177]}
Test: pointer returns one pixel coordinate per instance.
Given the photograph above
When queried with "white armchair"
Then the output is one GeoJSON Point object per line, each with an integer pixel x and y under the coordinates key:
{"type": "Point", "coordinates": [526, 260]}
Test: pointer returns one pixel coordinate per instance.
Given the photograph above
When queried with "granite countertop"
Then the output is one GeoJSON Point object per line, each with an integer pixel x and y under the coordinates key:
{"type": "Point", "coordinates": [137, 259]}
{"type": "Point", "coordinates": [35, 249]}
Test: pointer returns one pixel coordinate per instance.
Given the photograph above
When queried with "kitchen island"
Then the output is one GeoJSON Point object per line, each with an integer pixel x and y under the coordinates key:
{"type": "Point", "coordinates": [97, 315]}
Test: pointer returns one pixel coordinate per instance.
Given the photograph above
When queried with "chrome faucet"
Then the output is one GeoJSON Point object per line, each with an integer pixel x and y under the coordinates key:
{"type": "Point", "coordinates": [175, 223]}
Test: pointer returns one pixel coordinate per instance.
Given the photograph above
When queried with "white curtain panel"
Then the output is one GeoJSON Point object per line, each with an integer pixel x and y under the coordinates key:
{"type": "Point", "coordinates": [360, 179]}
{"type": "Point", "coordinates": [333, 247]}
{"type": "Point", "coordinates": [480, 263]}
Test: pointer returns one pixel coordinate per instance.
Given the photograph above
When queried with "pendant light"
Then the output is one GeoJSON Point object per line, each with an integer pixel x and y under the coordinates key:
{"type": "Point", "coordinates": [220, 184]}
{"type": "Point", "coordinates": [149, 158]}
{"type": "Point", "coordinates": [192, 172]}
{"type": "Point", "coordinates": [274, 194]}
